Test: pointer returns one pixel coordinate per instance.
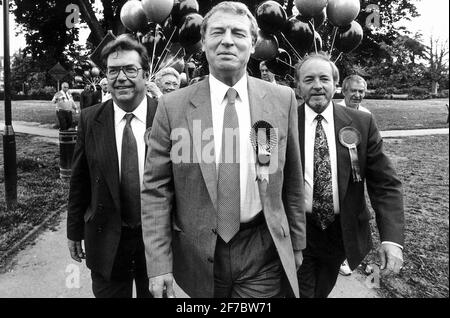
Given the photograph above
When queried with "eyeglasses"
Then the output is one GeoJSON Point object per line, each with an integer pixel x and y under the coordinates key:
{"type": "Point", "coordinates": [129, 71]}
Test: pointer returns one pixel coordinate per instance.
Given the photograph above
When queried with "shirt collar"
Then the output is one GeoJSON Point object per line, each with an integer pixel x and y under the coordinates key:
{"type": "Point", "coordinates": [310, 115]}
{"type": "Point", "coordinates": [219, 89]}
{"type": "Point", "coordinates": [140, 112]}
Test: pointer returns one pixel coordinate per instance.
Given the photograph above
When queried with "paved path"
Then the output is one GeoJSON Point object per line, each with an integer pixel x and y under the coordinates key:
{"type": "Point", "coordinates": [44, 268]}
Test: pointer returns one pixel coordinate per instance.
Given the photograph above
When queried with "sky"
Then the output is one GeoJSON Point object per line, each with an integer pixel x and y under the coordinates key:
{"type": "Point", "coordinates": [434, 20]}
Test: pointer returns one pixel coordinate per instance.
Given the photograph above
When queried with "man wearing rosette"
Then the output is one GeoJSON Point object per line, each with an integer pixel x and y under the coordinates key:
{"type": "Point", "coordinates": [220, 217]}
{"type": "Point", "coordinates": [341, 151]}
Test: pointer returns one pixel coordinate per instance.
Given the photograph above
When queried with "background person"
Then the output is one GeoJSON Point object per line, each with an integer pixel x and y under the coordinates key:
{"type": "Point", "coordinates": [337, 215]}
{"type": "Point", "coordinates": [108, 164]}
{"type": "Point", "coordinates": [168, 80]}
{"type": "Point", "coordinates": [86, 97]}
{"type": "Point", "coordinates": [211, 224]}
{"type": "Point", "coordinates": [65, 107]}
{"type": "Point", "coordinates": [354, 88]}
{"type": "Point", "coordinates": [266, 75]}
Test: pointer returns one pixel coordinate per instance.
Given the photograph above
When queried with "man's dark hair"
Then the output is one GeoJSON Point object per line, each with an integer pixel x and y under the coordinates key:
{"type": "Point", "coordinates": [125, 43]}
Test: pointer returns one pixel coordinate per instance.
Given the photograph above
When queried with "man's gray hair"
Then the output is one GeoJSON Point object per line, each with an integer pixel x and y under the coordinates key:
{"type": "Point", "coordinates": [232, 7]}
{"type": "Point", "coordinates": [103, 81]}
{"type": "Point", "coordinates": [321, 56]}
{"type": "Point", "coordinates": [166, 71]}
{"type": "Point", "coordinates": [353, 78]}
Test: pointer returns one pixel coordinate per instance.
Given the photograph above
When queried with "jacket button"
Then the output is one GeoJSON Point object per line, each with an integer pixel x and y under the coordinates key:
{"type": "Point", "coordinates": [99, 229]}
{"type": "Point", "coordinates": [97, 179]}
{"type": "Point", "coordinates": [210, 259]}
{"type": "Point", "coordinates": [214, 231]}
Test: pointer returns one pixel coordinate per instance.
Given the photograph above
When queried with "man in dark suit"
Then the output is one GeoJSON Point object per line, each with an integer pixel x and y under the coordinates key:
{"type": "Point", "coordinates": [213, 217]}
{"type": "Point", "coordinates": [337, 215]}
{"type": "Point", "coordinates": [104, 201]}
{"type": "Point", "coordinates": [86, 97]}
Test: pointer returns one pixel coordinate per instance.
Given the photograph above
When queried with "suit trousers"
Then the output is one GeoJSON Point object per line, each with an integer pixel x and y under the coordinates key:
{"type": "Point", "coordinates": [64, 118]}
{"type": "Point", "coordinates": [248, 266]}
{"type": "Point", "coordinates": [129, 265]}
{"type": "Point", "coordinates": [322, 259]}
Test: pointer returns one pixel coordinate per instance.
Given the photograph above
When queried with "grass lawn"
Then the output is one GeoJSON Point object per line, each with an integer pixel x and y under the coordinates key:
{"type": "Point", "coordinates": [39, 189]}
{"type": "Point", "coordinates": [390, 114]}
{"type": "Point", "coordinates": [422, 164]}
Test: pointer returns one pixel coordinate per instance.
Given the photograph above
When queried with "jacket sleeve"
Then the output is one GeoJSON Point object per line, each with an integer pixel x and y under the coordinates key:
{"type": "Point", "coordinates": [80, 186]}
{"type": "Point", "coordinates": [293, 187]}
{"type": "Point", "coordinates": [157, 196]}
{"type": "Point", "coordinates": [384, 189]}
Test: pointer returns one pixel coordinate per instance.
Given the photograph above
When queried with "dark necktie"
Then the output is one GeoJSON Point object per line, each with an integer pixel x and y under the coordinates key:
{"type": "Point", "coordinates": [228, 186]}
{"type": "Point", "coordinates": [130, 191]}
{"type": "Point", "coordinates": [323, 209]}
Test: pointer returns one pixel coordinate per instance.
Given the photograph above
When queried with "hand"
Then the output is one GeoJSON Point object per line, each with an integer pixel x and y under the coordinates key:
{"type": "Point", "coordinates": [298, 255]}
{"type": "Point", "coordinates": [391, 257]}
{"type": "Point", "coordinates": [162, 286]}
{"type": "Point", "coordinates": [76, 251]}
{"type": "Point", "coordinates": [153, 89]}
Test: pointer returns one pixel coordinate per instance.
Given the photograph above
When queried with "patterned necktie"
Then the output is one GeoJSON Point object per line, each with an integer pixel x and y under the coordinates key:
{"type": "Point", "coordinates": [323, 209]}
{"type": "Point", "coordinates": [130, 191]}
{"type": "Point", "coordinates": [228, 186]}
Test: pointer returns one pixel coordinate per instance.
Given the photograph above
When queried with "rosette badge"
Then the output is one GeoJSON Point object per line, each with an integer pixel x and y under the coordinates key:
{"type": "Point", "coordinates": [350, 138]}
{"type": "Point", "coordinates": [264, 139]}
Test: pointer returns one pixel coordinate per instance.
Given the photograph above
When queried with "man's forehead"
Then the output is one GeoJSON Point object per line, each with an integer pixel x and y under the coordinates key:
{"type": "Point", "coordinates": [119, 54]}
{"type": "Point", "coordinates": [230, 19]}
{"type": "Point", "coordinates": [314, 66]}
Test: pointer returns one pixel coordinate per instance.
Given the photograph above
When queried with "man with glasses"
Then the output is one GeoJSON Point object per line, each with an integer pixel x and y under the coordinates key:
{"type": "Point", "coordinates": [104, 201]}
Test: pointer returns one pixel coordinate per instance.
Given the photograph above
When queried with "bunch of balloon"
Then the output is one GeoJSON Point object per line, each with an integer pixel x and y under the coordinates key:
{"type": "Point", "coordinates": [169, 29]}
{"type": "Point", "coordinates": [271, 18]}
{"type": "Point", "coordinates": [91, 76]}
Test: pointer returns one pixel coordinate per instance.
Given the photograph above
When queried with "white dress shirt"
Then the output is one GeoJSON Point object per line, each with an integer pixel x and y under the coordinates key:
{"type": "Point", "coordinates": [250, 199]}
{"type": "Point", "coordinates": [138, 125]}
{"type": "Point", "coordinates": [310, 133]}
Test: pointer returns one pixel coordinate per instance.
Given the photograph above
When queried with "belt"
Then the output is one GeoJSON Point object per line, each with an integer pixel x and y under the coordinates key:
{"type": "Point", "coordinates": [258, 220]}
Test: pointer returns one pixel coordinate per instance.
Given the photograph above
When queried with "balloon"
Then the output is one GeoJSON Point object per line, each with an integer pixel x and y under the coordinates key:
{"type": "Point", "coordinates": [157, 10]}
{"type": "Point", "coordinates": [78, 79]}
{"type": "Point", "coordinates": [271, 17]}
{"type": "Point", "coordinates": [148, 41]}
{"type": "Point", "coordinates": [310, 8]}
{"type": "Point", "coordinates": [95, 71]}
{"type": "Point", "coordinates": [87, 74]}
{"type": "Point", "coordinates": [189, 32]}
{"type": "Point", "coordinates": [178, 65]}
{"type": "Point", "coordinates": [183, 79]}
{"type": "Point", "coordinates": [342, 12]}
{"type": "Point", "coordinates": [299, 34]}
{"type": "Point", "coordinates": [348, 38]}
{"type": "Point", "coordinates": [320, 18]}
{"type": "Point", "coordinates": [133, 17]}
{"type": "Point", "coordinates": [280, 64]}
{"type": "Point", "coordinates": [192, 49]}
{"type": "Point", "coordinates": [182, 8]}
{"type": "Point", "coordinates": [266, 47]}
{"type": "Point", "coordinates": [168, 28]}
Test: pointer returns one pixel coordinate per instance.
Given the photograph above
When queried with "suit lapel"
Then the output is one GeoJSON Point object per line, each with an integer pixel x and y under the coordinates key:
{"type": "Point", "coordinates": [201, 113]}
{"type": "Point", "coordinates": [259, 110]}
{"type": "Point", "coordinates": [341, 120]}
{"type": "Point", "coordinates": [301, 133]}
{"type": "Point", "coordinates": [105, 141]}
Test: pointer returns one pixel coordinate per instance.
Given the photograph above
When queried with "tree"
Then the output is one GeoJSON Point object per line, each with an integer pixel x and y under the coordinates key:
{"type": "Point", "coordinates": [437, 57]}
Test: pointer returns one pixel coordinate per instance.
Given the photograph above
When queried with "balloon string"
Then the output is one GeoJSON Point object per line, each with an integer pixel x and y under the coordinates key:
{"type": "Point", "coordinates": [292, 48]}
{"type": "Point", "coordinates": [334, 38]}
{"type": "Point", "coordinates": [314, 33]}
{"type": "Point", "coordinates": [154, 49]}
{"type": "Point", "coordinates": [281, 61]}
{"type": "Point", "coordinates": [165, 51]}
{"type": "Point", "coordinates": [169, 62]}
{"type": "Point", "coordinates": [339, 56]}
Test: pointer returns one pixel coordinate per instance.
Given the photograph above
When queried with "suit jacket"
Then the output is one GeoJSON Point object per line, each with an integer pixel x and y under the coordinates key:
{"type": "Point", "coordinates": [384, 187]}
{"type": "Point", "coordinates": [97, 97]}
{"type": "Point", "coordinates": [94, 211]}
{"type": "Point", "coordinates": [179, 199]}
